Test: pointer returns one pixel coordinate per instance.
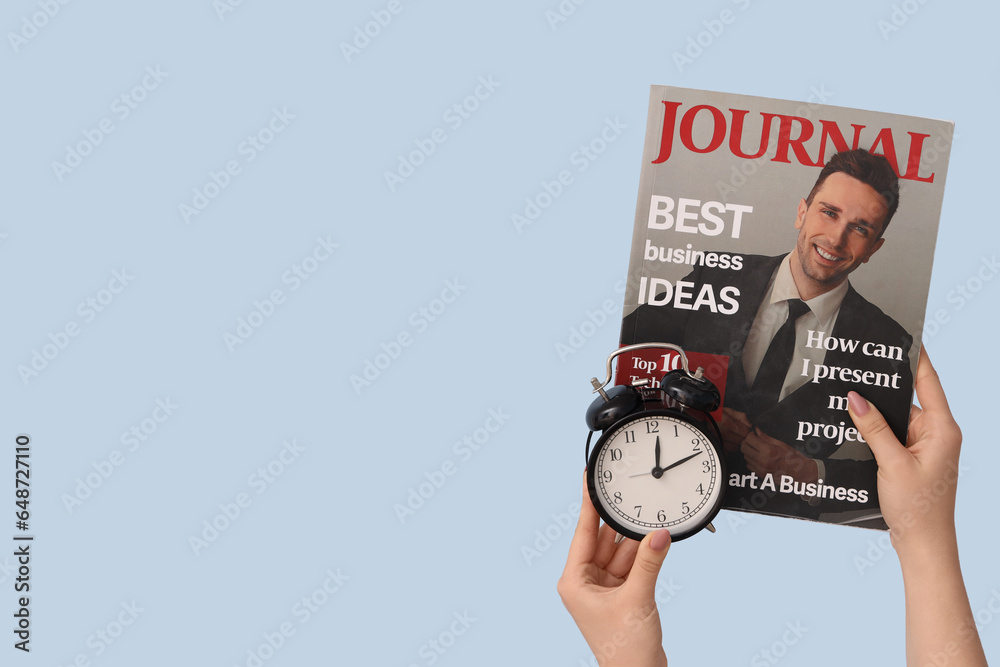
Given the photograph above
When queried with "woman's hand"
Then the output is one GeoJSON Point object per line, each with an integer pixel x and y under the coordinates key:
{"type": "Point", "coordinates": [916, 488]}
{"type": "Point", "coordinates": [609, 589]}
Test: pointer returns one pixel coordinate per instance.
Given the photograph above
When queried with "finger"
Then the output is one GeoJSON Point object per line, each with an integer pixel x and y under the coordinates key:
{"type": "Point", "coordinates": [752, 458]}
{"type": "Point", "coordinates": [875, 431]}
{"type": "Point", "coordinates": [737, 430]}
{"type": "Point", "coordinates": [753, 444]}
{"type": "Point", "coordinates": [765, 440]}
{"type": "Point", "coordinates": [584, 544]}
{"type": "Point", "coordinates": [930, 393]}
{"type": "Point", "coordinates": [648, 561]}
{"type": "Point", "coordinates": [623, 558]}
{"type": "Point", "coordinates": [731, 433]}
{"type": "Point", "coordinates": [606, 544]}
{"type": "Point", "coordinates": [736, 416]}
{"type": "Point", "coordinates": [937, 417]}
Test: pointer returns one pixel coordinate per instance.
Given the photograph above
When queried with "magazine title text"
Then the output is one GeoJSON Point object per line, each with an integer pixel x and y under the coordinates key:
{"type": "Point", "coordinates": [793, 133]}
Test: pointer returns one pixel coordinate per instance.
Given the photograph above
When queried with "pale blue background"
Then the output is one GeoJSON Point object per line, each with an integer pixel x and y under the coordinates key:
{"type": "Point", "coordinates": [493, 347]}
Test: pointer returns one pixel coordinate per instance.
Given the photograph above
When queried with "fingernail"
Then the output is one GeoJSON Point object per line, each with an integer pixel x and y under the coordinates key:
{"type": "Point", "coordinates": [858, 404]}
{"type": "Point", "coordinates": [660, 540]}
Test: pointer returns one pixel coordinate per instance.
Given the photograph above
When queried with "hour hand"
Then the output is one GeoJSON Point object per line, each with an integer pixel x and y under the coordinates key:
{"type": "Point", "coordinates": [657, 470]}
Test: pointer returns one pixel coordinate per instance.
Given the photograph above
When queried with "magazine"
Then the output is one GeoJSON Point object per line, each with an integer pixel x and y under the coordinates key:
{"type": "Point", "coordinates": [763, 247]}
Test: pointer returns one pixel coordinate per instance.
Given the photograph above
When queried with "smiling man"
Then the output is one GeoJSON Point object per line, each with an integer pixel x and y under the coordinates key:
{"type": "Point", "coordinates": [842, 221]}
{"type": "Point", "coordinates": [800, 340]}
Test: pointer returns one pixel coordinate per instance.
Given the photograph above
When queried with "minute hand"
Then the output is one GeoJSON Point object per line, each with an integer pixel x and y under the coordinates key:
{"type": "Point", "coordinates": [677, 463]}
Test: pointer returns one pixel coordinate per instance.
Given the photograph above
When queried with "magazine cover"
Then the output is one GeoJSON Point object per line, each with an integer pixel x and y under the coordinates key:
{"type": "Point", "coordinates": [787, 247]}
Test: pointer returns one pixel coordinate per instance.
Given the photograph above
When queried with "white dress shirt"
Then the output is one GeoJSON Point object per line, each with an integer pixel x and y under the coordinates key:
{"type": "Point", "coordinates": [773, 312]}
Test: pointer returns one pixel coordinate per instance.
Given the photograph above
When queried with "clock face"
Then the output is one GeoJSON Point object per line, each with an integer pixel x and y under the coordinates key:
{"type": "Point", "coordinates": [656, 471]}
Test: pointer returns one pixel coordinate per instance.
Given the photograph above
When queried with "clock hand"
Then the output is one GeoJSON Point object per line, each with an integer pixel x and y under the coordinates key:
{"type": "Point", "coordinates": [677, 463]}
{"type": "Point", "coordinates": [657, 470]}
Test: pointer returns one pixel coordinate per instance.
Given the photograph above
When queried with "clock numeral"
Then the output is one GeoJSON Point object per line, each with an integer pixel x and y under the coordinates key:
{"type": "Point", "coordinates": [638, 510]}
{"type": "Point", "coordinates": [616, 455]}
{"type": "Point", "coordinates": [685, 509]}
{"type": "Point", "coordinates": [676, 434]}
{"type": "Point", "coordinates": [700, 490]}
{"type": "Point", "coordinates": [629, 436]}
{"type": "Point", "coordinates": [652, 427]}
{"type": "Point", "coordinates": [661, 516]}
{"type": "Point", "coordinates": [706, 466]}
{"type": "Point", "coordinates": [618, 497]}
{"type": "Point", "coordinates": [607, 476]}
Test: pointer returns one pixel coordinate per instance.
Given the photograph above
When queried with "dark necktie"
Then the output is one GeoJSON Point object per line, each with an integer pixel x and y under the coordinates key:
{"type": "Point", "coordinates": [774, 367]}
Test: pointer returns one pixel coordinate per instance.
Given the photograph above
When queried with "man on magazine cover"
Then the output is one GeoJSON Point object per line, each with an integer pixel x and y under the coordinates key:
{"type": "Point", "coordinates": [773, 409]}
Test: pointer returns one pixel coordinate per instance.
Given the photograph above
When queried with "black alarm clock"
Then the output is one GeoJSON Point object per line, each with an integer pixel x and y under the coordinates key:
{"type": "Point", "coordinates": [659, 460]}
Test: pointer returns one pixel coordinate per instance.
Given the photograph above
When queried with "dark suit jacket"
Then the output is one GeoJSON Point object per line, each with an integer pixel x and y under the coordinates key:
{"type": "Point", "coordinates": [715, 333]}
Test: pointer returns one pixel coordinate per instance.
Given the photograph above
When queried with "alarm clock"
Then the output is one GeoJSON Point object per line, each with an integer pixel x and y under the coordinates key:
{"type": "Point", "coordinates": [659, 461]}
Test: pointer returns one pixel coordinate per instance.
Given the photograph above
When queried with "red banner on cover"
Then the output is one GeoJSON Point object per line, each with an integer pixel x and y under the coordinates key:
{"type": "Point", "coordinates": [653, 363]}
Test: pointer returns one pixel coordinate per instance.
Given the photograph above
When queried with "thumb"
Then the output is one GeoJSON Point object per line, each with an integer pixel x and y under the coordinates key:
{"type": "Point", "coordinates": [648, 560]}
{"type": "Point", "coordinates": [875, 431]}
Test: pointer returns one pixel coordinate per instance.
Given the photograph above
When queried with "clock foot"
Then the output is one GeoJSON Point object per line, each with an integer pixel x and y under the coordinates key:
{"type": "Point", "coordinates": [710, 528]}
